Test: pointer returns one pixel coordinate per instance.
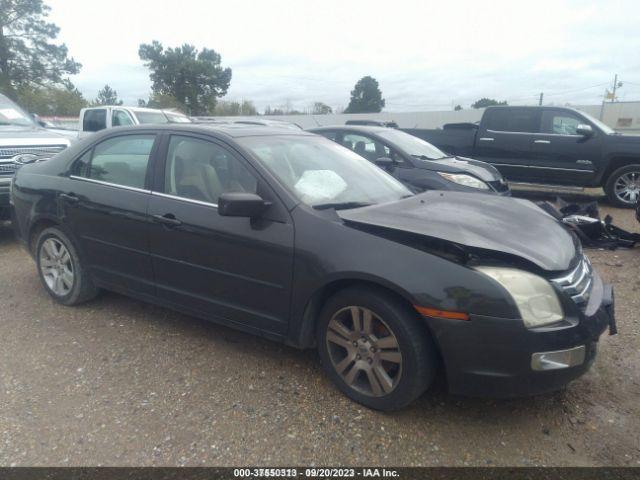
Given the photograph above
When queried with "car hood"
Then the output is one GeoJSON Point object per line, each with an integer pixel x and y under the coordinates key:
{"type": "Point", "coordinates": [506, 225]}
{"type": "Point", "coordinates": [481, 170]}
{"type": "Point", "coordinates": [16, 135]}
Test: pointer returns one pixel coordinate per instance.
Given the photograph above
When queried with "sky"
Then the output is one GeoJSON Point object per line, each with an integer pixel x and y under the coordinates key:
{"type": "Point", "coordinates": [427, 55]}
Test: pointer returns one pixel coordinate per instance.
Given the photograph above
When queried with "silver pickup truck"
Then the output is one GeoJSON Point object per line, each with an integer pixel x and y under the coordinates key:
{"type": "Point", "coordinates": [19, 135]}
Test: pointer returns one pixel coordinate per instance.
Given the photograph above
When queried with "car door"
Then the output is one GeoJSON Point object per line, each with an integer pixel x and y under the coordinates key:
{"type": "Point", "coordinates": [104, 202]}
{"type": "Point", "coordinates": [504, 140]}
{"type": "Point", "coordinates": [563, 156]}
{"type": "Point", "coordinates": [230, 269]}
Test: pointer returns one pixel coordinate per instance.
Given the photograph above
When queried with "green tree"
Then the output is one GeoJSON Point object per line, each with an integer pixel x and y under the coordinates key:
{"type": "Point", "coordinates": [458, 108]}
{"type": "Point", "coordinates": [487, 102]}
{"type": "Point", "coordinates": [161, 100]}
{"type": "Point", "coordinates": [273, 111]}
{"type": "Point", "coordinates": [194, 78]}
{"type": "Point", "coordinates": [107, 96]}
{"type": "Point", "coordinates": [366, 97]}
{"type": "Point", "coordinates": [226, 108]}
{"type": "Point", "coordinates": [64, 101]}
{"type": "Point", "coordinates": [320, 108]}
{"type": "Point", "coordinates": [28, 56]}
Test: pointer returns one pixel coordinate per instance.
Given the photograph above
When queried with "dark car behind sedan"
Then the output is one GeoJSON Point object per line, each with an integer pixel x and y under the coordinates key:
{"type": "Point", "coordinates": [415, 162]}
{"type": "Point", "coordinates": [288, 235]}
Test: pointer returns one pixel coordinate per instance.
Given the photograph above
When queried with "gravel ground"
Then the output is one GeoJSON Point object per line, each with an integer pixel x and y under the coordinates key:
{"type": "Point", "coordinates": [119, 382]}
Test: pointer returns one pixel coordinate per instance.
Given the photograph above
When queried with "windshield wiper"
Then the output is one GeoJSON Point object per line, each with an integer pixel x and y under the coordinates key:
{"type": "Point", "coordinates": [424, 157]}
{"type": "Point", "coordinates": [341, 205]}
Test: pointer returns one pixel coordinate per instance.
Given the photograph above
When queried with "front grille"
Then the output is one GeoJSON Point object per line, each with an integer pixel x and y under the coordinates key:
{"type": "Point", "coordinates": [8, 168]}
{"type": "Point", "coordinates": [10, 152]}
{"type": "Point", "coordinates": [577, 284]}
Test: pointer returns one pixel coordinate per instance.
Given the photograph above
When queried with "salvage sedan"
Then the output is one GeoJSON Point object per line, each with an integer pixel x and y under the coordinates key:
{"type": "Point", "coordinates": [415, 162]}
{"type": "Point", "coordinates": [288, 235]}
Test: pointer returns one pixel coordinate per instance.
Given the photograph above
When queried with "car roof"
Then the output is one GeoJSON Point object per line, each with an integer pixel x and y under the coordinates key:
{"type": "Point", "coordinates": [233, 130]}
{"type": "Point", "coordinates": [352, 128]}
{"type": "Point", "coordinates": [124, 107]}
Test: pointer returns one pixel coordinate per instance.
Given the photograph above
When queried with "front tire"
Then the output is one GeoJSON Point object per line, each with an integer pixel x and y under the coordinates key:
{"type": "Point", "coordinates": [623, 186]}
{"type": "Point", "coordinates": [61, 270]}
{"type": "Point", "coordinates": [375, 349]}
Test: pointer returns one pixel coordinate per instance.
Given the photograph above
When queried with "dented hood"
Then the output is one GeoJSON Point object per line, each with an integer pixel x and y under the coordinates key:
{"type": "Point", "coordinates": [508, 225]}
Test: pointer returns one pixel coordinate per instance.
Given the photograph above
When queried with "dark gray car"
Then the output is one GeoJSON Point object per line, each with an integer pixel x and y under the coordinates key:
{"type": "Point", "coordinates": [287, 235]}
{"type": "Point", "coordinates": [415, 162]}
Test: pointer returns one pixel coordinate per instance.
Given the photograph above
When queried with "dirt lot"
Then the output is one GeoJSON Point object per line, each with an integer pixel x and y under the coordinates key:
{"type": "Point", "coordinates": [120, 382]}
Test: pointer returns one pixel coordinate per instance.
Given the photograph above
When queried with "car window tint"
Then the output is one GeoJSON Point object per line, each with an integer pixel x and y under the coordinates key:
{"type": "Point", "coordinates": [94, 120]}
{"type": "Point", "coordinates": [524, 120]}
{"type": "Point", "coordinates": [203, 170]}
{"type": "Point", "coordinates": [365, 146]}
{"type": "Point", "coordinates": [120, 118]}
{"type": "Point", "coordinates": [560, 123]}
{"type": "Point", "coordinates": [122, 160]}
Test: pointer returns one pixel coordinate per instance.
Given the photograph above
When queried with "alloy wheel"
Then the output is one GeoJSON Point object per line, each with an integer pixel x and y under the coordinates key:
{"type": "Point", "coordinates": [364, 351]}
{"type": "Point", "coordinates": [627, 187]}
{"type": "Point", "coordinates": [56, 266]}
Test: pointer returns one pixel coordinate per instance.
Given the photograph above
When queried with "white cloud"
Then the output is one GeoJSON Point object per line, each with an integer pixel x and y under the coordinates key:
{"type": "Point", "coordinates": [425, 54]}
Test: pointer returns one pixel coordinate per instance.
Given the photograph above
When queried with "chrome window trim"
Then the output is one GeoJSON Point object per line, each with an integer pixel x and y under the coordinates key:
{"type": "Point", "coordinates": [535, 133]}
{"type": "Point", "coordinates": [142, 190]}
{"type": "Point", "coordinates": [184, 199]}
{"type": "Point", "coordinates": [109, 184]}
{"type": "Point", "coordinates": [540, 168]}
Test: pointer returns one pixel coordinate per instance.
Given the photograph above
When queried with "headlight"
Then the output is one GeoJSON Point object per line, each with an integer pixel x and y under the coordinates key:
{"type": "Point", "coordinates": [536, 299]}
{"type": "Point", "coordinates": [464, 179]}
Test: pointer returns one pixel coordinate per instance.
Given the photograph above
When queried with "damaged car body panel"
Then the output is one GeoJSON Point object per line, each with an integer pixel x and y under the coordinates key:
{"type": "Point", "coordinates": [511, 226]}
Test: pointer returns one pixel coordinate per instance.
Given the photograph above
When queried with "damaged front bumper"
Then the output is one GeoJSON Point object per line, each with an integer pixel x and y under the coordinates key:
{"type": "Point", "coordinates": [498, 357]}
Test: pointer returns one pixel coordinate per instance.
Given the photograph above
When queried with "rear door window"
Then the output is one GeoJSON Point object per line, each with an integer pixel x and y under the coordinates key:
{"type": "Point", "coordinates": [518, 120]}
{"type": "Point", "coordinates": [119, 160]}
{"type": "Point", "coordinates": [94, 120]}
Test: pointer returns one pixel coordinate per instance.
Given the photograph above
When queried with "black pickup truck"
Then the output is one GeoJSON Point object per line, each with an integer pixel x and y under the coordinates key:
{"type": "Point", "coordinates": [548, 145]}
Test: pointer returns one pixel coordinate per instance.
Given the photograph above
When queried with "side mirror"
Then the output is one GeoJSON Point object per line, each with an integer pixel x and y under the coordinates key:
{"type": "Point", "coordinates": [238, 204]}
{"type": "Point", "coordinates": [385, 162]}
{"type": "Point", "coordinates": [584, 130]}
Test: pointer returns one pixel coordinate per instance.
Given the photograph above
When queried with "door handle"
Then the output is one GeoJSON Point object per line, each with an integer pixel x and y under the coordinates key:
{"type": "Point", "coordinates": [69, 197]}
{"type": "Point", "coordinates": [486, 139]}
{"type": "Point", "coordinates": [167, 219]}
{"type": "Point", "coordinates": [546, 142]}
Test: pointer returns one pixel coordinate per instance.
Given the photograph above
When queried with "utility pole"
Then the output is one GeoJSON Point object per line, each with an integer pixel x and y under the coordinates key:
{"type": "Point", "coordinates": [541, 97]}
{"type": "Point", "coordinates": [615, 85]}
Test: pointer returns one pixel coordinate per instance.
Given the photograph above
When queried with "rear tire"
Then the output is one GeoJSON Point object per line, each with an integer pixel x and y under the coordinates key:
{"type": "Point", "coordinates": [623, 186]}
{"type": "Point", "coordinates": [61, 270]}
{"type": "Point", "coordinates": [375, 349]}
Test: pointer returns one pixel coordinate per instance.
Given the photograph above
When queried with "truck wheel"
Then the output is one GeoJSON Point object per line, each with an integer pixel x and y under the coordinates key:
{"type": "Point", "coordinates": [374, 348]}
{"type": "Point", "coordinates": [623, 186]}
{"type": "Point", "coordinates": [61, 271]}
